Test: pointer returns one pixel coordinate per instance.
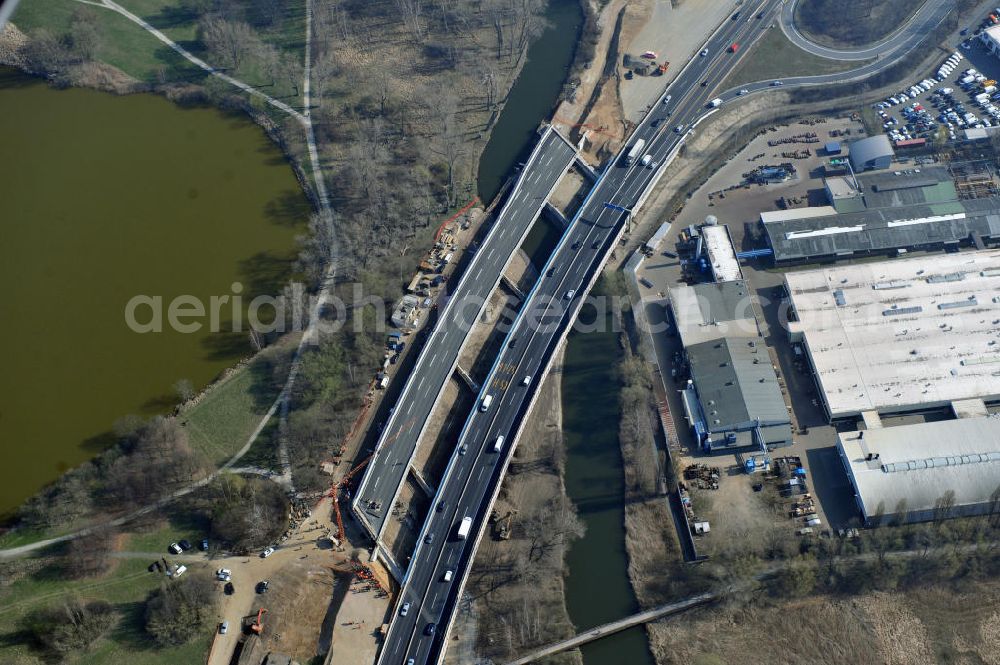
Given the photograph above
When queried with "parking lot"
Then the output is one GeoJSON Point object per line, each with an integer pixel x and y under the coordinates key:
{"type": "Point", "coordinates": [961, 94]}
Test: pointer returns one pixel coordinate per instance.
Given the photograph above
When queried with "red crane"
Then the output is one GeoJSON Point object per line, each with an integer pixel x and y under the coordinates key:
{"type": "Point", "coordinates": [257, 626]}
{"type": "Point", "coordinates": [335, 493]}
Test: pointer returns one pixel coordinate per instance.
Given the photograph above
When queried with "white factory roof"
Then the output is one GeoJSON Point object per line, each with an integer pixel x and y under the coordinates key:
{"type": "Point", "coordinates": [721, 254]}
{"type": "Point", "coordinates": [710, 311]}
{"type": "Point", "coordinates": [919, 463]}
{"type": "Point", "coordinates": [992, 34]}
{"type": "Point", "coordinates": [796, 213]}
{"type": "Point", "coordinates": [902, 334]}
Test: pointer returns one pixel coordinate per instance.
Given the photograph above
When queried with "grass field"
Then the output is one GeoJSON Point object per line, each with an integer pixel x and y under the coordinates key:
{"type": "Point", "coordinates": [221, 422]}
{"type": "Point", "coordinates": [776, 57]}
{"type": "Point", "coordinates": [123, 44]}
{"type": "Point", "coordinates": [126, 587]}
{"type": "Point", "coordinates": [128, 47]}
{"type": "Point", "coordinates": [825, 21]}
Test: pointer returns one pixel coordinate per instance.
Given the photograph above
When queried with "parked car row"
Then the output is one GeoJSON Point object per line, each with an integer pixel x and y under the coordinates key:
{"type": "Point", "coordinates": [923, 117]}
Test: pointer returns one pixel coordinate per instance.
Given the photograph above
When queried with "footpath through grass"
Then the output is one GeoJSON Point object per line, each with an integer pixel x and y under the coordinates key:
{"type": "Point", "coordinates": [222, 421]}
{"type": "Point", "coordinates": [775, 57]}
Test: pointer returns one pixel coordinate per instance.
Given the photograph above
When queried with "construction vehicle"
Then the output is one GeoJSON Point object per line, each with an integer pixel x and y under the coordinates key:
{"type": "Point", "coordinates": [334, 493]}
{"type": "Point", "coordinates": [253, 622]}
{"type": "Point", "coordinates": [502, 525]}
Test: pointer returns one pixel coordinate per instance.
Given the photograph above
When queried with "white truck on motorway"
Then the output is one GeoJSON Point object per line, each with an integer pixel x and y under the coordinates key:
{"type": "Point", "coordinates": [485, 404]}
{"type": "Point", "coordinates": [464, 527]}
{"type": "Point", "coordinates": [634, 152]}
{"type": "Point", "coordinates": [716, 103]}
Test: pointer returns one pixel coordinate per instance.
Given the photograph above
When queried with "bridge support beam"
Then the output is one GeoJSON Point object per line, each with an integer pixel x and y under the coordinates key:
{"type": "Point", "coordinates": [424, 485]}
{"type": "Point", "coordinates": [467, 378]}
{"type": "Point", "coordinates": [586, 168]}
{"type": "Point", "coordinates": [556, 216]}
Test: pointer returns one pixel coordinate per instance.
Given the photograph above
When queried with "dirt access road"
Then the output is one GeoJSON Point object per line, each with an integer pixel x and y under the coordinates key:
{"type": "Point", "coordinates": [307, 544]}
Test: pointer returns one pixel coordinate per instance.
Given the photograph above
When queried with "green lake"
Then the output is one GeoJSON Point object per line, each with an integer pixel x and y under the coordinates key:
{"type": "Point", "coordinates": [105, 198]}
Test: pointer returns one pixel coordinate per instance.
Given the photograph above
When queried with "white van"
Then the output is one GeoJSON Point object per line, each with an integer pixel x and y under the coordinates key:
{"type": "Point", "coordinates": [498, 444]}
{"type": "Point", "coordinates": [484, 406]}
{"type": "Point", "coordinates": [448, 574]}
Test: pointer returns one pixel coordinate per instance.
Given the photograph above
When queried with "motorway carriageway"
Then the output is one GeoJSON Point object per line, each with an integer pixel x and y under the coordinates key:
{"type": "Point", "coordinates": [471, 480]}
{"type": "Point", "coordinates": [396, 448]}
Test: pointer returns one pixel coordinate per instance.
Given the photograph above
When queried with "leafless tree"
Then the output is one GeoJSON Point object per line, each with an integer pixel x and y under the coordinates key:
{"type": "Point", "coordinates": [410, 11]}
{"type": "Point", "coordinates": [229, 41]}
{"type": "Point", "coordinates": [491, 86]}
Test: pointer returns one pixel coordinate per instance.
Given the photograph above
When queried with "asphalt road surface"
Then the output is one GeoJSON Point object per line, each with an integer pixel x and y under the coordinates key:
{"type": "Point", "coordinates": [394, 452]}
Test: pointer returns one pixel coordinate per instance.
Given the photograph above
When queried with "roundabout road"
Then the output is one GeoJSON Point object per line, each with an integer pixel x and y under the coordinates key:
{"type": "Point", "coordinates": [930, 13]}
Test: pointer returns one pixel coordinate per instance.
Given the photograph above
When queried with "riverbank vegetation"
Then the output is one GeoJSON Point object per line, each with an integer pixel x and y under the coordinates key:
{"type": "Point", "coordinates": [516, 583]}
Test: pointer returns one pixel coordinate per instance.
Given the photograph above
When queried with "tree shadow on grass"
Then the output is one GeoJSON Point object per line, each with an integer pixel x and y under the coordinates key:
{"type": "Point", "coordinates": [263, 385]}
{"type": "Point", "coordinates": [172, 16]}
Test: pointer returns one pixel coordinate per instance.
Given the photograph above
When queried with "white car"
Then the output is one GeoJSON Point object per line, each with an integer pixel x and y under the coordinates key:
{"type": "Point", "coordinates": [679, 128]}
{"type": "Point", "coordinates": [526, 381]}
{"type": "Point", "coordinates": [704, 52]}
{"type": "Point", "coordinates": [666, 100]}
{"type": "Point", "coordinates": [776, 83]}
{"type": "Point", "coordinates": [569, 294]}
{"type": "Point", "coordinates": [744, 91]}
{"type": "Point", "coordinates": [175, 548]}
{"type": "Point", "coordinates": [177, 572]}
{"type": "Point", "coordinates": [404, 610]}
{"type": "Point", "coordinates": [267, 552]}
{"type": "Point", "coordinates": [223, 574]}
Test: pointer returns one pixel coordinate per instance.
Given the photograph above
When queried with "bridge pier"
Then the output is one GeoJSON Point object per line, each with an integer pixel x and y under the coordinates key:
{"type": "Point", "coordinates": [467, 378]}
{"type": "Point", "coordinates": [586, 168]}
{"type": "Point", "coordinates": [424, 485]}
{"type": "Point", "coordinates": [556, 216]}
{"type": "Point", "coordinates": [512, 286]}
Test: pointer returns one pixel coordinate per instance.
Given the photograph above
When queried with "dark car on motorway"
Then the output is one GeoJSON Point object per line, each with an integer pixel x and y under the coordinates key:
{"type": "Point", "coordinates": [429, 630]}
{"type": "Point", "coordinates": [576, 245]}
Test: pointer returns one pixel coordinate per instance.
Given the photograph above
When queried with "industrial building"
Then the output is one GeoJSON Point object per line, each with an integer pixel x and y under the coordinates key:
{"type": "Point", "coordinates": [733, 399]}
{"type": "Point", "coordinates": [990, 37]}
{"type": "Point", "coordinates": [901, 335]}
{"type": "Point", "coordinates": [711, 311]}
{"type": "Point", "coordinates": [924, 471]}
{"type": "Point", "coordinates": [917, 209]}
{"type": "Point", "coordinates": [720, 252]}
{"type": "Point", "coordinates": [874, 152]}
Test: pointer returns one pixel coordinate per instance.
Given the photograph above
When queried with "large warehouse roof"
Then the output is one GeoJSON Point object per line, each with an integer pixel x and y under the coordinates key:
{"type": "Point", "coordinates": [902, 334]}
{"type": "Point", "coordinates": [918, 464]}
{"type": "Point", "coordinates": [704, 312]}
{"type": "Point", "coordinates": [738, 389]}
{"type": "Point", "coordinates": [904, 209]}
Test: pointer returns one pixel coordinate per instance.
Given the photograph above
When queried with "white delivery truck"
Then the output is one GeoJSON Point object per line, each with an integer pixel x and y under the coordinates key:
{"type": "Point", "coordinates": [498, 444]}
{"type": "Point", "coordinates": [464, 527]}
{"type": "Point", "coordinates": [635, 151]}
{"type": "Point", "coordinates": [716, 103]}
{"type": "Point", "coordinates": [485, 404]}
